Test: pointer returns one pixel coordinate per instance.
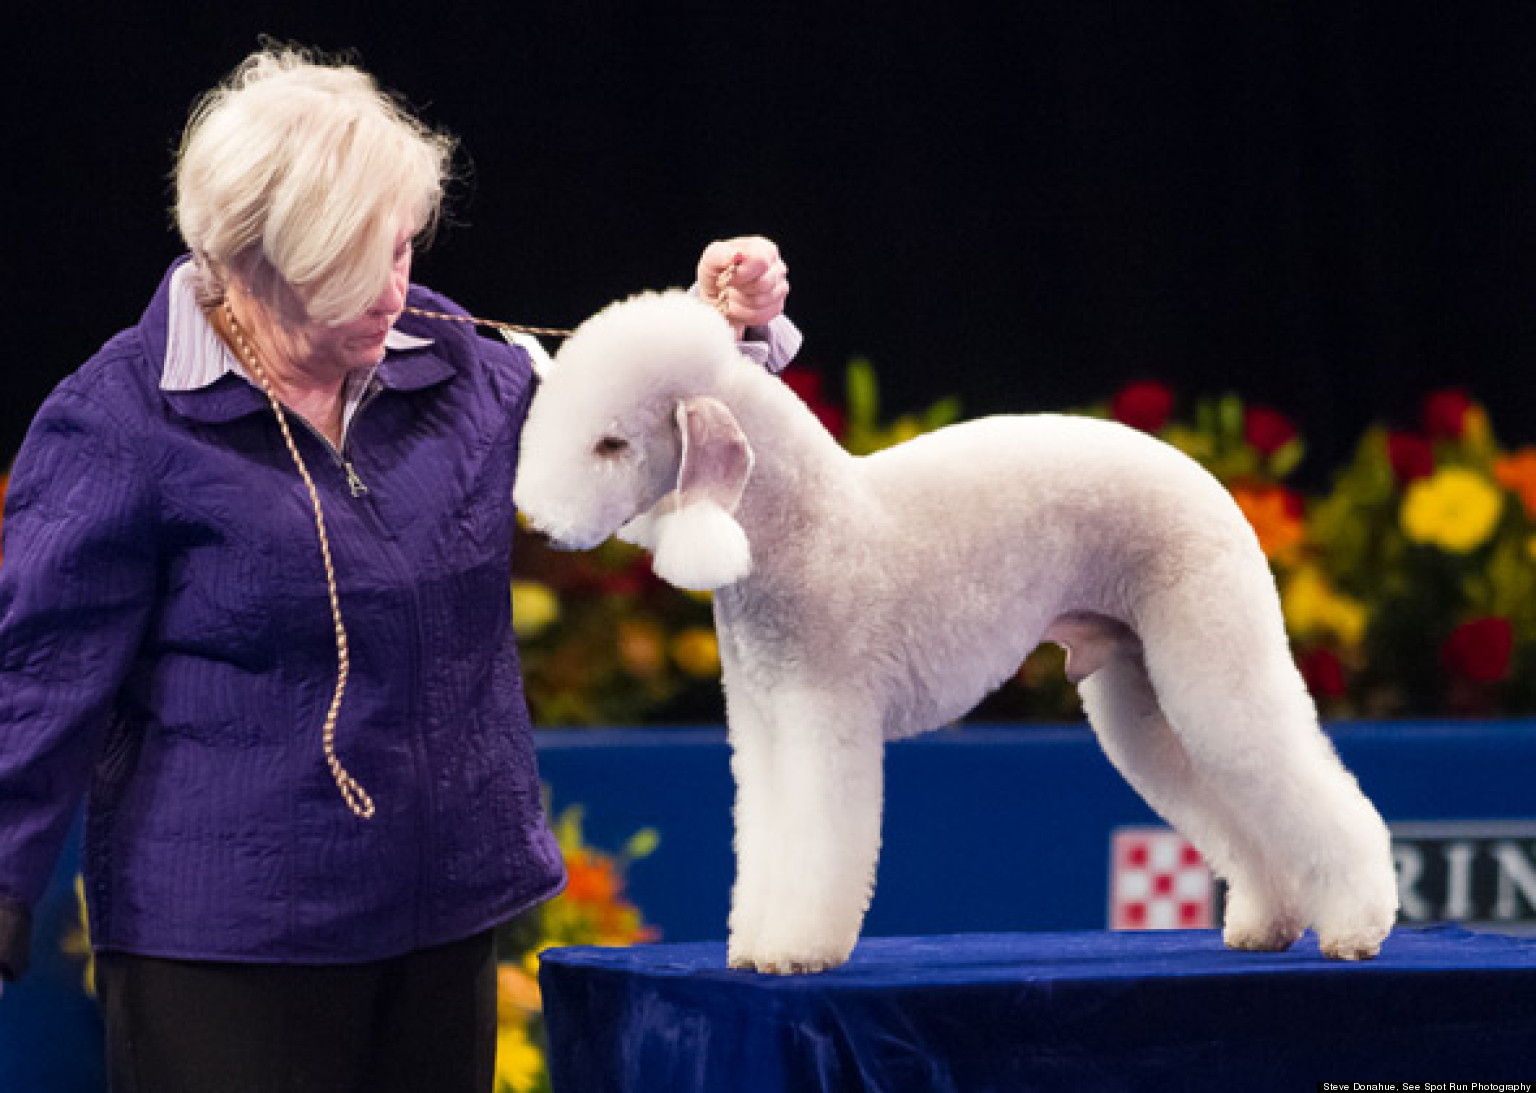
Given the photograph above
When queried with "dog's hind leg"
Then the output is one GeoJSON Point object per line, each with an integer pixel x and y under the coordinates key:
{"type": "Point", "coordinates": [1316, 848]}
{"type": "Point", "coordinates": [1124, 711]}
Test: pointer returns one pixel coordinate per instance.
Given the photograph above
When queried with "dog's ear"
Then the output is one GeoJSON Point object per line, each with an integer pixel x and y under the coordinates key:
{"type": "Point", "coordinates": [698, 545]}
{"type": "Point", "coordinates": [716, 460]}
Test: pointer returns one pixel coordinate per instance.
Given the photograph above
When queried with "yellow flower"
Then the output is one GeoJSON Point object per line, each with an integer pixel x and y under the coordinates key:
{"type": "Point", "coordinates": [77, 938]}
{"type": "Point", "coordinates": [1314, 608]}
{"type": "Point", "coordinates": [697, 652]}
{"type": "Point", "coordinates": [519, 1063]}
{"type": "Point", "coordinates": [1455, 509]}
{"type": "Point", "coordinates": [534, 607]}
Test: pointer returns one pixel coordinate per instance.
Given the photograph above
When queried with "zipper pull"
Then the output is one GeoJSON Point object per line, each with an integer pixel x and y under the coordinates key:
{"type": "Point", "coordinates": [354, 483]}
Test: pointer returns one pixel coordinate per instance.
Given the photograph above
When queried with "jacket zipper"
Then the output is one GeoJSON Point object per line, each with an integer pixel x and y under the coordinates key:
{"type": "Point", "coordinates": [427, 796]}
{"type": "Point", "coordinates": [355, 484]}
{"type": "Point", "coordinates": [358, 487]}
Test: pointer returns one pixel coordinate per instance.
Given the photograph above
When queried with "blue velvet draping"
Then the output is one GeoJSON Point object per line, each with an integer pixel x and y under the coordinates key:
{"type": "Point", "coordinates": [1051, 1011]}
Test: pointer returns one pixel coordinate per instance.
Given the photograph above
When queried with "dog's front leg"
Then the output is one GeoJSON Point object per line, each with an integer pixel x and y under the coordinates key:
{"type": "Point", "coordinates": [815, 833]}
{"type": "Point", "coordinates": [754, 769]}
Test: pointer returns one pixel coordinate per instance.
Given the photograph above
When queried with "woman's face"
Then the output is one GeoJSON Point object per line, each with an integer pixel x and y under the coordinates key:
{"type": "Point", "coordinates": [323, 351]}
{"type": "Point", "coordinates": [359, 343]}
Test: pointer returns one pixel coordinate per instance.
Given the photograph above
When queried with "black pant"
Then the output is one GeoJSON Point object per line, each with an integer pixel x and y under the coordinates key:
{"type": "Point", "coordinates": [425, 1021]}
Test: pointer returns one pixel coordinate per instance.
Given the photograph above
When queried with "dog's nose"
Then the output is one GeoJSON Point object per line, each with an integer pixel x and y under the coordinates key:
{"type": "Point", "coordinates": [530, 525]}
{"type": "Point", "coordinates": [553, 539]}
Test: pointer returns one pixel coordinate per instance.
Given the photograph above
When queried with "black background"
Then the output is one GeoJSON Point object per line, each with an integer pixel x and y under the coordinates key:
{"type": "Point", "coordinates": [1326, 207]}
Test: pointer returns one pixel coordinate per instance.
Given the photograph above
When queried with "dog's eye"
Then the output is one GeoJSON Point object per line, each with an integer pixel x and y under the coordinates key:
{"type": "Point", "coordinates": [611, 445]}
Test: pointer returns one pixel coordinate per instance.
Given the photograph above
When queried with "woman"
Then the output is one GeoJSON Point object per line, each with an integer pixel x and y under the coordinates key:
{"type": "Point", "coordinates": [255, 602]}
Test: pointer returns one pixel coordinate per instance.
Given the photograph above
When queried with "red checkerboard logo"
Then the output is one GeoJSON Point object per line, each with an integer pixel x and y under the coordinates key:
{"type": "Point", "coordinates": [1158, 881]}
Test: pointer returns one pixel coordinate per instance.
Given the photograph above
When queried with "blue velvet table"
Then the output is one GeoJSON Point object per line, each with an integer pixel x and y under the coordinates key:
{"type": "Point", "coordinates": [1045, 1011]}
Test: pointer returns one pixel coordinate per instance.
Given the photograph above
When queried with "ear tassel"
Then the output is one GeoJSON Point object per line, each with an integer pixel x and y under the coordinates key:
{"type": "Point", "coordinates": [700, 547]}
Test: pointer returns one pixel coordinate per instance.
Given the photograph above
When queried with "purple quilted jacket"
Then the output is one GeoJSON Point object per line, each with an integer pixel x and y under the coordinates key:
{"type": "Point", "coordinates": [166, 648]}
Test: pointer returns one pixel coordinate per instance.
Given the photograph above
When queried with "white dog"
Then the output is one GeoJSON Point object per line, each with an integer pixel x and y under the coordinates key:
{"type": "Point", "coordinates": [859, 600]}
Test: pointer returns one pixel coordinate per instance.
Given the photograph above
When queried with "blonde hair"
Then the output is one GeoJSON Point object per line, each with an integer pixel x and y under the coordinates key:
{"type": "Point", "coordinates": [295, 175]}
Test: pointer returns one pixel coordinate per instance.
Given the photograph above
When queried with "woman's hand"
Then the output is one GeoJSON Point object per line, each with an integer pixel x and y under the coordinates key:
{"type": "Point", "coordinates": [758, 284]}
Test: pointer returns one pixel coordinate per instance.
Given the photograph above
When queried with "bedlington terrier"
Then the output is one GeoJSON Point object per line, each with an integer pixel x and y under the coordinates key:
{"type": "Point", "coordinates": [859, 600]}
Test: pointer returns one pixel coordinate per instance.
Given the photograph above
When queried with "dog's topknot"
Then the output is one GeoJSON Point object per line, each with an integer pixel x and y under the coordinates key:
{"type": "Point", "coordinates": [657, 334]}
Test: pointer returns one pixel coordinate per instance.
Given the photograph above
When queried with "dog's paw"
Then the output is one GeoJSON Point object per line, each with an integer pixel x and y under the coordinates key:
{"type": "Point", "coordinates": [1350, 948]}
{"type": "Point", "coordinates": [1358, 941]}
{"type": "Point", "coordinates": [1251, 928]}
{"type": "Point", "coordinates": [787, 965]}
{"type": "Point", "coordinates": [784, 958]}
{"type": "Point", "coordinates": [1260, 939]}
{"type": "Point", "coordinates": [1353, 924]}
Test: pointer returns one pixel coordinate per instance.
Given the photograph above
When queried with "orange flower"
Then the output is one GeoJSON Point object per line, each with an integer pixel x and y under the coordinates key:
{"type": "Point", "coordinates": [592, 879]}
{"type": "Point", "coordinates": [1517, 473]}
{"type": "Point", "coordinates": [642, 648]}
{"type": "Point", "coordinates": [1276, 515]}
{"type": "Point", "coordinates": [516, 991]}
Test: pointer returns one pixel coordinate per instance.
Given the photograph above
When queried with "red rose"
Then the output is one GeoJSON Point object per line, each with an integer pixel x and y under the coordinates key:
{"type": "Point", "coordinates": [1267, 430]}
{"type": "Point", "coordinates": [1145, 406]}
{"type": "Point", "coordinates": [1445, 414]}
{"type": "Point", "coordinates": [1323, 672]}
{"type": "Point", "coordinates": [1411, 455]}
{"type": "Point", "coordinates": [1479, 650]}
{"type": "Point", "coordinates": [807, 384]}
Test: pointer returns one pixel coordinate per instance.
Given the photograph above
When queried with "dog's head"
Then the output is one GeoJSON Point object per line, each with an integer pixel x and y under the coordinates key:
{"type": "Point", "coordinates": [627, 431]}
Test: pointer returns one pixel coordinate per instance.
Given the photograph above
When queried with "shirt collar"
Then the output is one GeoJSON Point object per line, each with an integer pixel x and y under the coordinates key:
{"type": "Point", "coordinates": [196, 357]}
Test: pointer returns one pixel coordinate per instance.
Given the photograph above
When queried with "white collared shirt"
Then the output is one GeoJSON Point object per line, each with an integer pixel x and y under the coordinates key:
{"type": "Point", "coordinates": [196, 357]}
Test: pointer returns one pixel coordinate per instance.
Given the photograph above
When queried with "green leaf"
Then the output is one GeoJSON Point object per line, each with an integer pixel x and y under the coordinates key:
{"type": "Point", "coordinates": [642, 843]}
{"type": "Point", "coordinates": [1287, 458]}
{"type": "Point", "coordinates": [568, 827]}
{"type": "Point", "coordinates": [863, 393]}
{"type": "Point", "coordinates": [1229, 412]}
{"type": "Point", "coordinates": [944, 412]}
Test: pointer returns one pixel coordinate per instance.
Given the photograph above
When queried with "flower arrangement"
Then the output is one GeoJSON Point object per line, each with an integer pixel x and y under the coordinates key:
{"type": "Point", "coordinates": [1409, 586]}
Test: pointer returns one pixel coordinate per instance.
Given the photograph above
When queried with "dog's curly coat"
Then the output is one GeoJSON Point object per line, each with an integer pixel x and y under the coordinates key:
{"type": "Point", "coordinates": [863, 599]}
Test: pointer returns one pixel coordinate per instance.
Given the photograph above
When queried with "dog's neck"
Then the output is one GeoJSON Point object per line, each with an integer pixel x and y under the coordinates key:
{"type": "Point", "coordinates": [800, 473]}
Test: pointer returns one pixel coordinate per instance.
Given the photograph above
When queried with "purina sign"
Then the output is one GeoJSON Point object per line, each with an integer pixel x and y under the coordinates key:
{"type": "Point", "coordinates": [1479, 874]}
{"type": "Point", "coordinates": [1482, 875]}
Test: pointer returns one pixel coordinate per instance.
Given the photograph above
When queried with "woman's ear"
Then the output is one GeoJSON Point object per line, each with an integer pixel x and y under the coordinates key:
{"type": "Point", "coordinates": [697, 543]}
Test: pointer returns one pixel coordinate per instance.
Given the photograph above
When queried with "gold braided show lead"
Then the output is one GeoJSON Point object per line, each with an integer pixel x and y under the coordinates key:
{"type": "Point", "coordinates": [351, 790]}
{"type": "Point", "coordinates": [722, 305]}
